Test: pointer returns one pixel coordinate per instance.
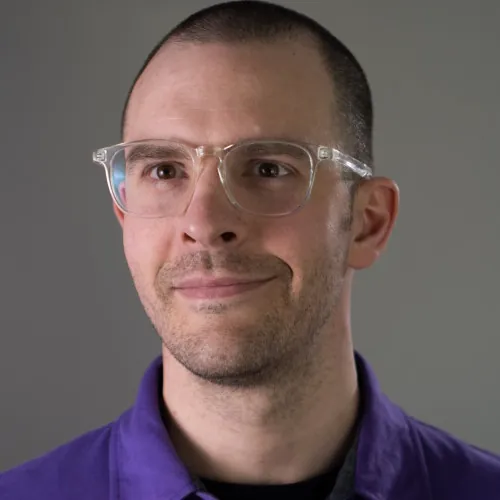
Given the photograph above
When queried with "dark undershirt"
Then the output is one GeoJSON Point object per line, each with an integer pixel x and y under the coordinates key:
{"type": "Point", "coordinates": [317, 488]}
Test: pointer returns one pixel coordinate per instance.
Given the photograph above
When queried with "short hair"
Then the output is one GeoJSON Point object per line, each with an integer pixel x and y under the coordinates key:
{"type": "Point", "coordinates": [243, 21]}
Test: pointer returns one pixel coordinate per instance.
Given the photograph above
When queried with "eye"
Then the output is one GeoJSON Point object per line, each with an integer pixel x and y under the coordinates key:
{"type": "Point", "coordinates": [270, 169]}
{"type": "Point", "coordinates": [166, 171]}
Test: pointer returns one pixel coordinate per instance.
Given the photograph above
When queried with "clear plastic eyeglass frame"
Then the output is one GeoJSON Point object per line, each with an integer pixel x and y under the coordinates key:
{"type": "Point", "coordinates": [316, 154]}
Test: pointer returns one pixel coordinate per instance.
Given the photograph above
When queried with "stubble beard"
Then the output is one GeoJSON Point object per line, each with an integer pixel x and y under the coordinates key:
{"type": "Point", "coordinates": [282, 341]}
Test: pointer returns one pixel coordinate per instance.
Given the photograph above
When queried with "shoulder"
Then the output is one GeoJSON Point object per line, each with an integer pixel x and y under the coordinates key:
{"type": "Point", "coordinates": [455, 468]}
{"type": "Point", "coordinates": [80, 465]}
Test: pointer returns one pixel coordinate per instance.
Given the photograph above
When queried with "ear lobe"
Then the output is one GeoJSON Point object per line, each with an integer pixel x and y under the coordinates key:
{"type": "Point", "coordinates": [374, 213]}
{"type": "Point", "coordinates": [118, 214]}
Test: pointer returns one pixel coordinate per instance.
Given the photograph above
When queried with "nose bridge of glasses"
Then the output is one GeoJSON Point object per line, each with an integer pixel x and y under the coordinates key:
{"type": "Point", "coordinates": [201, 158]}
{"type": "Point", "coordinates": [205, 151]}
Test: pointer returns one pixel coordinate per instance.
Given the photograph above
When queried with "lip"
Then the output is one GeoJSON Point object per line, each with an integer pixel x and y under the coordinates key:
{"type": "Point", "coordinates": [211, 288]}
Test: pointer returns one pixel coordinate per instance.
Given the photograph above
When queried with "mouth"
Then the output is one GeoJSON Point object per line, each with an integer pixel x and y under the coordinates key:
{"type": "Point", "coordinates": [206, 289]}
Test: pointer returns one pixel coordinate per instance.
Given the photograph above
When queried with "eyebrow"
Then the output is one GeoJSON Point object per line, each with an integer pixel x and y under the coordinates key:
{"type": "Point", "coordinates": [278, 149]}
{"type": "Point", "coordinates": [154, 151]}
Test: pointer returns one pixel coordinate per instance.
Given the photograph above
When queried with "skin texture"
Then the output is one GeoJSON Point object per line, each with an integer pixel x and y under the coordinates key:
{"type": "Point", "coordinates": [259, 387]}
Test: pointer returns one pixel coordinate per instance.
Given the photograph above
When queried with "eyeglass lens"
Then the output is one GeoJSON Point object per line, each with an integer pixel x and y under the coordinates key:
{"type": "Point", "coordinates": [156, 179]}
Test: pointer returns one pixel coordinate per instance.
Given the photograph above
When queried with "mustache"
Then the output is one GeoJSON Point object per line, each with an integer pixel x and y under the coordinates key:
{"type": "Point", "coordinates": [222, 262]}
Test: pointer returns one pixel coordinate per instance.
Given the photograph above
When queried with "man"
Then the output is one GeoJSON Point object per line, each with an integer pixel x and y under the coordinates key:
{"type": "Point", "coordinates": [247, 202]}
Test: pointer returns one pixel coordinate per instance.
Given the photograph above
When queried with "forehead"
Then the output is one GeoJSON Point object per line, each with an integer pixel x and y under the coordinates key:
{"type": "Point", "coordinates": [220, 93]}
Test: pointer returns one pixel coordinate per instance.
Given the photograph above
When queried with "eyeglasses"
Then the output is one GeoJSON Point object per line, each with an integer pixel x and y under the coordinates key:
{"type": "Point", "coordinates": [157, 178]}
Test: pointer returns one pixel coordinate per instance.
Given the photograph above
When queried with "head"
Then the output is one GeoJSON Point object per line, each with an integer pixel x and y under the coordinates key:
{"type": "Point", "coordinates": [244, 71]}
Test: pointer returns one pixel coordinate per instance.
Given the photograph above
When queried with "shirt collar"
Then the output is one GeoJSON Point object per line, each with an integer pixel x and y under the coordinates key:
{"type": "Point", "coordinates": [389, 463]}
{"type": "Point", "coordinates": [148, 466]}
{"type": "Point", "coordinates": [385, 454]}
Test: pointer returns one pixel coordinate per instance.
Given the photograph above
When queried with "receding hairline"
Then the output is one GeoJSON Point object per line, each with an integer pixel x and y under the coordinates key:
{"type": "Point", "coordinates": [178, 42]}
{"type": "Point", "coordinates": [237, 21]}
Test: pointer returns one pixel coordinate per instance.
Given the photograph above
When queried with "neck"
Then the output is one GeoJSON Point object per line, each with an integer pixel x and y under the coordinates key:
{"type": "Point", "coordinates": [265, 435]}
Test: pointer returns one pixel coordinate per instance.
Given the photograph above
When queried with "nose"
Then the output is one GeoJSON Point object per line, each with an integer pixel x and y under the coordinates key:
{"type": "Point", "coordinates": [210, 220]}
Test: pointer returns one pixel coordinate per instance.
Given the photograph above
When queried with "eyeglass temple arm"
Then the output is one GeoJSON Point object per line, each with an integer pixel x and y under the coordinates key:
{"type": "Point", "coordinates": [327, 153]}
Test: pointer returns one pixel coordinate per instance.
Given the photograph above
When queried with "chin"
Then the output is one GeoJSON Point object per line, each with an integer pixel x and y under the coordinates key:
{"type": "Point", "coordinates": [235, 372]}
{"type": "Point", "coordinates": [221, 351]}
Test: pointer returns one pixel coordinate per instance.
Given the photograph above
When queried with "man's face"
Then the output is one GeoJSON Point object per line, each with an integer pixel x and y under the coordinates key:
{"type": "Point", "coordinates": [215, 94]}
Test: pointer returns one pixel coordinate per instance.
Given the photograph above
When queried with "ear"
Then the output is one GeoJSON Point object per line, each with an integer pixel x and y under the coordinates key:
{"type": "Point", "coordinates": [375, 208]}
{"type": "Point", "coordinates": [118, 214]}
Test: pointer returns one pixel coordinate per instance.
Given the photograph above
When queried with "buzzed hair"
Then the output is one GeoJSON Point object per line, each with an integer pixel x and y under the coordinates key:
{"type": "Point", "coordinates": [244, 21]}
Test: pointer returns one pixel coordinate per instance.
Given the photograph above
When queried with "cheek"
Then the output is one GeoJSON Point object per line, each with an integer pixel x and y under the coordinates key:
{"type": "Point", "coordinates": [146, 247]}
{"type": "Point", "coordinates": [301, 242]}
{"type": "Point", "coordinates": [310, 239]}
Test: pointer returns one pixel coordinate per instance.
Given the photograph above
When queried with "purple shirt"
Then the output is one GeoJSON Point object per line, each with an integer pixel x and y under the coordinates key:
{"type": "Point", "coordinates": [396, 458]}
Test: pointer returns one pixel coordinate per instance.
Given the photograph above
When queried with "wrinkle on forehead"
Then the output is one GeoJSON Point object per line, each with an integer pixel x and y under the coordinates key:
{"type": "Point", "coordinates": [210, 94]}
{"type": "Point", "coordinates": [224, 126]}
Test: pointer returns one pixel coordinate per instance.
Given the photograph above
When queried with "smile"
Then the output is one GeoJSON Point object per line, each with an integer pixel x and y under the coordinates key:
{"type": "Point", "coordinates": [217, 288]}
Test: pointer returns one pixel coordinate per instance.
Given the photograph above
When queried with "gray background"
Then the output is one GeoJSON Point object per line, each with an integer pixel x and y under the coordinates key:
{"type": "Point", "coordinates": [74, 339]}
